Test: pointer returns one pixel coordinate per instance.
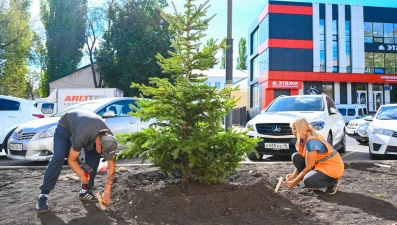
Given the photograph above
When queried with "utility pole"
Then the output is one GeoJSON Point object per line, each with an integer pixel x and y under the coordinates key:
{"type": "Point", "coordinates": [229, 58]}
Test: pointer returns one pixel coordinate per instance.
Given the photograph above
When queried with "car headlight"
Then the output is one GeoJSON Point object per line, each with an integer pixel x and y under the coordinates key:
{"type": "Point", "coordinates": [250, 126]}
{"type": "Point", "coordinates": [318, 125]}
{"type": "Point", "coordinates": [49, 132]}
{"type": "Point", "coordinates": [381, 131]}
{"type": "Point", "coordinates": [362, 128]}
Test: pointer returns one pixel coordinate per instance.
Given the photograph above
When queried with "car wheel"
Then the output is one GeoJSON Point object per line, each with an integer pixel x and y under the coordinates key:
{"type": "Point", "coordinates": [252, 156]}
{"type": "Point", "coordinates": [6, 140]}
{"type": "Point", "coordinates": [343, 144]}
{"type": "Point", "coordinates": [329, 139]}
{"type": "Point", "coordinates": [374, 156]}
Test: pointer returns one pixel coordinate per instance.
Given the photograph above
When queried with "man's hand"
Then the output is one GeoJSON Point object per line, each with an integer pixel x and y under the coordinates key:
{"type": "Point", "coordinates": [85, 180]}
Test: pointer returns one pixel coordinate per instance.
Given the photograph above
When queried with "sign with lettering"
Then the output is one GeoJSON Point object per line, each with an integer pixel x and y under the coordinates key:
{"type": "Point", "coordinates": [285, 84]}
{"type": "Point", "coordinates": [380, 47]}
{"type": "Point", "coordinates": [388, 78]}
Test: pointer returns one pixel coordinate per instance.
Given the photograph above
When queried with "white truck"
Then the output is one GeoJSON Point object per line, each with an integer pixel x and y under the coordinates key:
{"type": "Point", "coordinates": [61, 98]}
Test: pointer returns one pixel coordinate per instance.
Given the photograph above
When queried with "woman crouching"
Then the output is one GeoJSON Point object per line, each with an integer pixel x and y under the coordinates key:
{"type": "Point", "coordinates": [317, 163]}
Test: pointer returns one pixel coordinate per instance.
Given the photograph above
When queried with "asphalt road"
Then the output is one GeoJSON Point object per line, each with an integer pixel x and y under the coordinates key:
{"type": "Point", "coordinates": [355, 152]}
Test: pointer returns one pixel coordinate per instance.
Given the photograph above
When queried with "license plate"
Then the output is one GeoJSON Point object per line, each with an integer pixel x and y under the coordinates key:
{"type": "Point", "coordinates": [276, 146]}
{"type": "Point", "coordinates": [16, 147]}
{"type": "Point", "coordinates": [350, 131]}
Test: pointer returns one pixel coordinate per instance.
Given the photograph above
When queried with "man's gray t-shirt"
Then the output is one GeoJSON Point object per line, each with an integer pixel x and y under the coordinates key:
{"type": "Point", "coordinates": [84, 128]}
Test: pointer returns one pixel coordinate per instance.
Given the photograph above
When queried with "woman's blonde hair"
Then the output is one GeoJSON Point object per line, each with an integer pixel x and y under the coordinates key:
{"type": "Point", "coordinates": [301, 125]}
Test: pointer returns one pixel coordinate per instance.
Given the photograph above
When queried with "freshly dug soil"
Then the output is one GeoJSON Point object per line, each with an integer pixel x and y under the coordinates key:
{"type": "Point", "coordinates": [143, 195]}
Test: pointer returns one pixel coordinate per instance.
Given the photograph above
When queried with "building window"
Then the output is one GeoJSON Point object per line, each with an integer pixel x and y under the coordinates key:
{"type": "Point", "coordinates": [380, 33]}
{"type": "Point", "coordinates": [254, 96]}
{"type": "Point", "coordinates": [368, 32]}
{"type": "Point", "coordinates": [254, 41]}
{"type": "Point", "coordinates": [208, 83]}
{"type": "Point", "coordinates": [218, 85]}
{"type": "Point", "coordinates": [348, 47]}
{"type": "Point", "coordinates": [263, 62]}
{"type": "Point", "coordinates": [254, 69]}
{"type": "Point", "coordinates": [322, 45]}
{"type": "Point", "coordinates": [383, 63]}
{"type": "Point", "coordinates": [335, 53]}
{"type": "Point", "coordinates": [390, 63]}
{"type": "Point", "coordinates": [328, 90]}
{"type": "Point", "coordinates": [379, 62]}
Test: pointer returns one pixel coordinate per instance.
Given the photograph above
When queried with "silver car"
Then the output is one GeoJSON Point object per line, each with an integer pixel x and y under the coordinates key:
{"type": "Point", "coordinates": [33, 140]}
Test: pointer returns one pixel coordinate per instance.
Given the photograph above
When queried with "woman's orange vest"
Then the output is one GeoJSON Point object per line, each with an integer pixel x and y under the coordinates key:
{"type": "Point", "coordinates": [329, 163]}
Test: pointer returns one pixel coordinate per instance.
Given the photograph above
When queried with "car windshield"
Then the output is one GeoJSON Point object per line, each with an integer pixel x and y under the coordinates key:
{"type": "Point", "coordinates": [296, 104]}
{"type": "Point", "coordinates": [84, 106]}
{"type": "Point", "coordinates": [387, 113]}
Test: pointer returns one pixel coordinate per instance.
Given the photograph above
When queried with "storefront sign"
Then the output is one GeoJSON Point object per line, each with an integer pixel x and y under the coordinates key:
{"type": "Point", "coordinates": [389, 78]}
{"type": "Point", "coordinates": [285, 84]}
{"type": "Point", "coordinates": [380, 47]}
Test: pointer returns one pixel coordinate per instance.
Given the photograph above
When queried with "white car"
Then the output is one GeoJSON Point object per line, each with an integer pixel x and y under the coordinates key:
{"type": "Point", "coordinates": [382, 132]}
{"type": "Point", "coordinates": [33, 141]}
{"type": "Point", "coordinates": [357, 129]}
{"type": "Point", "coordinates": [13, 112]}
{"type": "Point", "coordinates": [272, 125]}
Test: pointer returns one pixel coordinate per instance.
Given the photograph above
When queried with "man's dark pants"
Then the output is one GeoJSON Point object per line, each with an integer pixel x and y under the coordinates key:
{"type": "Point", "coordinates": [62, 147]}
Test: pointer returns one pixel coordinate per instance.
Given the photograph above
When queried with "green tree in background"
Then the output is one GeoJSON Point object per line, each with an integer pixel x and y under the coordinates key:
{"type": "Point", "coordinates": [136, 33]}
{"type": "Point", "coordinates": [210, 43]}
{"type": "Point", "coordinates": [188, 137]}
{"type": "Point", "coordinates": [65, 25]}
{"type": "Point", "coordinates": [242, 55]}
{"type": "Point", "coordinates": [14, 46]}
{"type": "Point", "coordinates": [37, 58]}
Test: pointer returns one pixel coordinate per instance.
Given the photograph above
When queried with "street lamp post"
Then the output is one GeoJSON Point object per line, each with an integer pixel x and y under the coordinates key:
{"type": "Point", "coordinates": [229, 58]}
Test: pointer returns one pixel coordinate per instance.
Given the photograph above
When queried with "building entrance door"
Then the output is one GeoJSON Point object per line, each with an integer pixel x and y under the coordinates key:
{"type": "Point", "coordinates": [362, 97]}
{"type": "Point", "coordinates": [378, 99]}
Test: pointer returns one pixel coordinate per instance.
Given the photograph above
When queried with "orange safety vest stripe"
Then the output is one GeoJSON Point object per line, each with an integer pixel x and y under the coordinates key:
{"type": "Point", "coordinates": [332, 166]}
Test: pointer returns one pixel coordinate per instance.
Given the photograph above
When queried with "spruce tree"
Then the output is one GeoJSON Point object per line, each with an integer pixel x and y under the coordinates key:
{"type": "Point", "coordinates": [188, 137]}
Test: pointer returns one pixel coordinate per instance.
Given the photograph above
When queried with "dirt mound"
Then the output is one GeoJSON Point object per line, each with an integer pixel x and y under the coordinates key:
{"type": "Point", "coordinates": [244, 199]}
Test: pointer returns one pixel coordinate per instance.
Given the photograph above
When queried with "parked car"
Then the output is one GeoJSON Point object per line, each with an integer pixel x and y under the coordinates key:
{"type": "Point", "coordinates": [34, 140]}
{"type": "Point", "coordinates": [272, 124]}
{"type": "Point", "coordinates": [13, 112]}
{"type": "Point", "coordinates": [357, 129]}
{"type": "Point", "coordinates": [382, 132]}
{"type": "Point", "coordinates": [352, 111]}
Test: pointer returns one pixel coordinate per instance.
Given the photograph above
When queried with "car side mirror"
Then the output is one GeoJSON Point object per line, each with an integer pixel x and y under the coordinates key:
{"type": "Point", "coordinates": [108, 114]}
{"type": "Point", "coordinates": [368, 118]}
{"type": "Point", "coordinates": [333, 110]}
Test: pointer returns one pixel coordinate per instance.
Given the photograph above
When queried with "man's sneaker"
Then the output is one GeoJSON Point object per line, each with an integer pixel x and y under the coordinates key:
{"type": "Point", "coordinates": [87, 196]}
{"type": "Point", "coordinates": [42, 205]}
{"type": "Point", "coordinates": [334, 189]}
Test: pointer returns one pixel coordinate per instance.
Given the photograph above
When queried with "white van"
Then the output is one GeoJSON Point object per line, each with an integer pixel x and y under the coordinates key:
{"type": "Point", "coordinates": [352, 111]}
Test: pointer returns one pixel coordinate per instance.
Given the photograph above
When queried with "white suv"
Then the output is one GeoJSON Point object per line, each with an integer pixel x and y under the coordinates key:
{"type": "Point", "coordinates": [272, 124]}
{"type": "Point", "coordinates": [13, 112]}
{"type": "Point", "coordinates": [382, 132]}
